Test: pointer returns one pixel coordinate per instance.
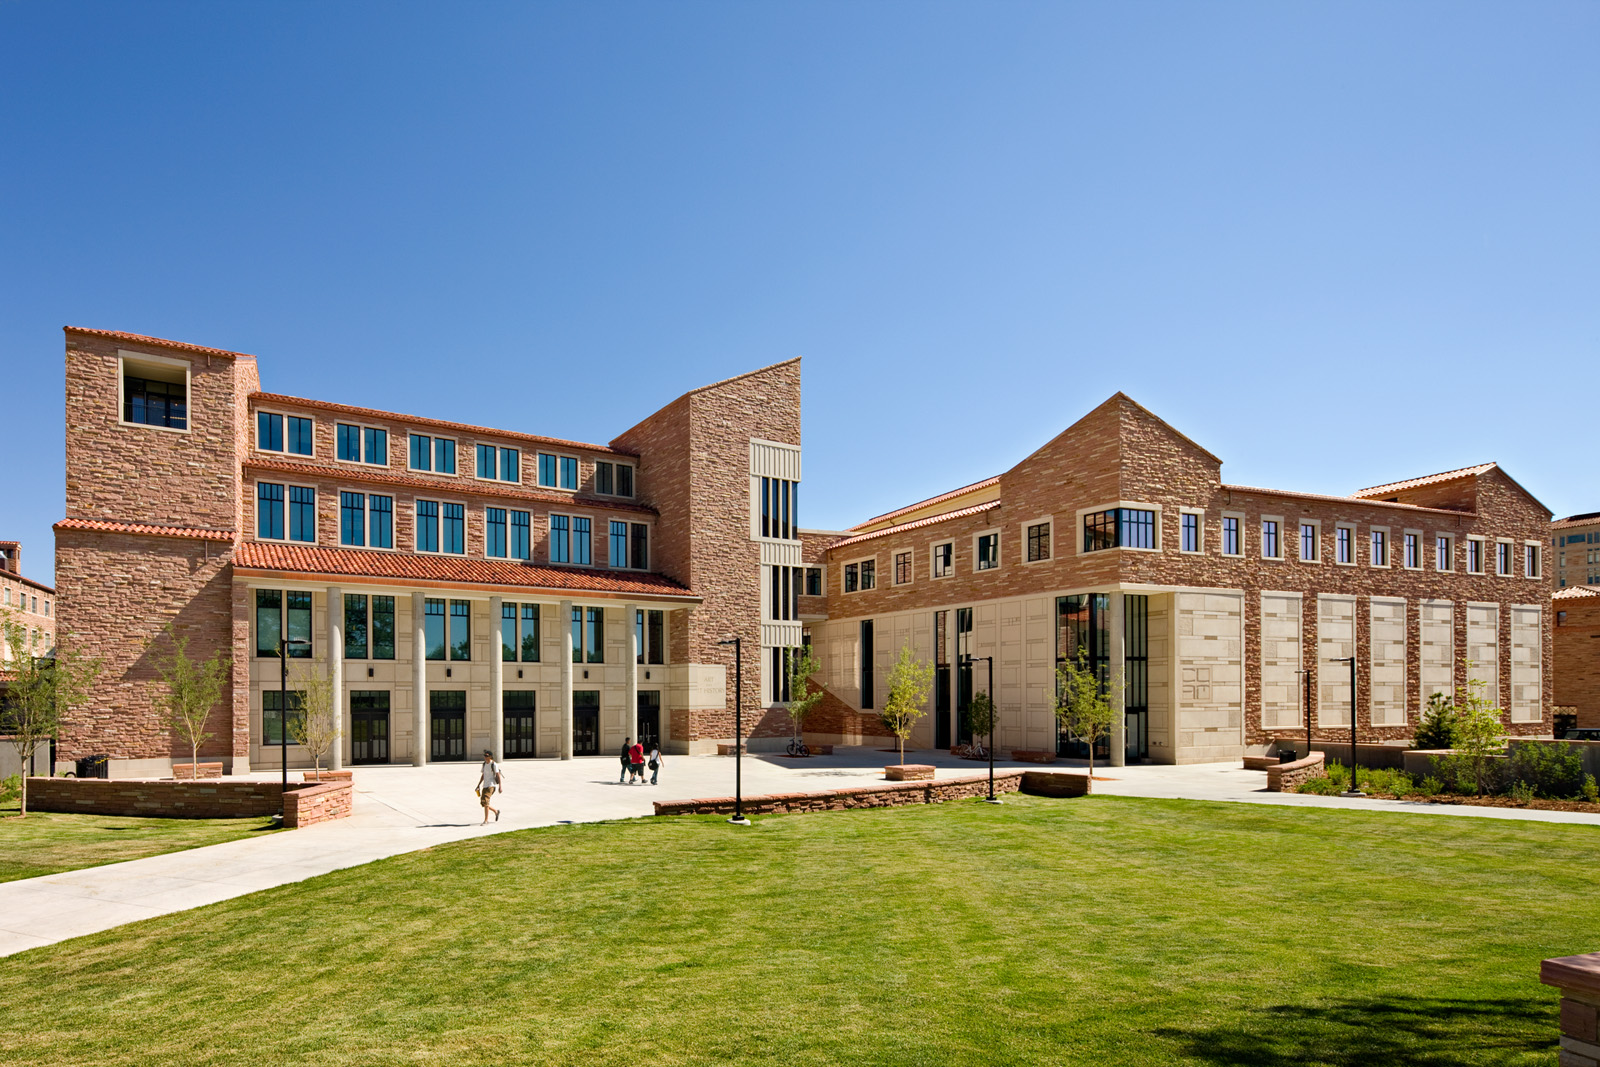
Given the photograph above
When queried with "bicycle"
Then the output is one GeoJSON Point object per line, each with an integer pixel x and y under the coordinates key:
{"type": "Point", "coordinates": [973, 750]}
{"type": "Point", "coordinates": [798, 747]}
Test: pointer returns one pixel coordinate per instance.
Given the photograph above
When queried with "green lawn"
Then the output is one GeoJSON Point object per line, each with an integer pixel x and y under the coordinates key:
{"type": "Point", "coordinates": [1096, 931]}
{"type": "Point", "coordinates": [51, 842]}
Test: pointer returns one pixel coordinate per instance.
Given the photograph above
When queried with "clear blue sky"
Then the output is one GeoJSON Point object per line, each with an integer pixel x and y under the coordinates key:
{"type": "Point", "coordinates": [1337, 244]}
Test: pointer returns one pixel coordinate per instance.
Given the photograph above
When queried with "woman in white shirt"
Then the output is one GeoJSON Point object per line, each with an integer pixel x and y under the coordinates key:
{"type": "Point", "coordinates": [654, 762]}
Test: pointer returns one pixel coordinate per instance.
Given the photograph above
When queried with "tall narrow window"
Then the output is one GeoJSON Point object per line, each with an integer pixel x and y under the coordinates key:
{"type": "Point", "coordinates": [640, 533]}
{"type": "Point", "coordinates": [852, 577]}
{"type": "Point", "coordinates": [624, 480]}
{"type": "Point", "coordinates": [988, 551]}
{"type": "Point", "coordinates": [569, 472]}
{"type": "Point", "coordinates": [577, 635]}
{"type": "Point", "coordinates": [530, 633]}
{"type": "Point", "coordinates": [944, 560]}
{"type": "Point", "coordinates": [1230, 536]}
{"type": "Point", "coordinates": [269, 621]}
{"type": "Point", "coordinates": [595, 635]}
{"type": "Point", "coordinates": [454, 538]}
{"type": "Point", "coordinates": [486, 461]}
{"type": "Point", "coordinates": [1270, 548]}
{"type": "Point", "coordinates": [302, 513]}
{"type": "Point", "coordinates": [355, 626]}
{"type": "Point", "coordinates": [580, 541]}
{"type": "Point", "coordinates": [604, 482]}
{"type": "Point", "coordinates": [383, 627]}
{"type": "Point", "coordinates": [1380, 548]}
{"type": "Point", "coordinates": [1530, 561]}
{"type": "Point", "coordinates": [427, 526]}
{"type": "Point", "coordinates": [520, 539]}
{"type": "Point", "coordinates": [560, 539]}
{"type": "Point", "coordinates": [547, 469]}
{"type": "Point", "coordinates": [375, 445]}
{"type": "Point", "coordinates": [508, 633]}
{"type": "Point", "coordinates": [813, 581]}
{"type": "Point", "coordinates": [421, 452]}
{"type": "Point", "coordinates": [1038, 542]}
{"type": "Point", "coordinates": [1413, 551]}
{"type": "Point", "coordinates": [902, 568]}
{"type": "Point", "coordinates": [1308, 542]}
{"type": "Point", "coordinates": [433, 628]}
{"type": "Point", "coordinates": [461, 629]}
{"type": "Point", "coordinates": [299, 435]}
{"type": "Point", "coordinates": [618, 543]}
{"type": "Point", "coordinates": [1189, 525]}
{"type": "Point", "coordinates": [349, 440]}
{"type": "Point", "coordinates": [353, 519]}
{"type": "Point", "coordinates": [269, 510]}
{"type": "Point", "coordinates": [444, 455]}
{"type": "Point", "coordinates": [269, 431]}
{"type": "Point", "coordinates": [510, 465]}
{"type": "Point", "coordinates": [380, 520]}
{"type": "Point", "coordinates": [1344, 541]}
{"type": "Point", "coordinates": [869, 573]}
{"type": "Point", "coordinates": [1502, 559]}
{"type": "Point", "coordinates": [276, 706]}
{"type": "Point", "coordinates": [1444, 554]}
{"type": "Point", "coordinates": [297, 623]}
{"type": "Point", "coordinates": [656, 637]}
{"type": "Point", "coordinates": [494, 532]}
{"type": "Point", "coordinates": [866, 665]}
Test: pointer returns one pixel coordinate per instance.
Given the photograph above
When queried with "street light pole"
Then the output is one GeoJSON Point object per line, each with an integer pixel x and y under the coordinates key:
{"type": "Point", "coordinates": [1355, 789]}
{"type": "Point", "coordinates": [994, 713]}
{"type": "Point", "coordinates": [1305, 705]}
{"type": "Point", "coordinates": [738, 818]}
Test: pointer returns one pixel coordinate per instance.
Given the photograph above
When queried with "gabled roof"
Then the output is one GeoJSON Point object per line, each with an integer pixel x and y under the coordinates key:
{"type": "Point", "coordinates": [1588, 518]}
{"type": "Point", "coordinates": [890, 531]}
{"type": "Point", "coordinates": [314, 561]}
{"type": "Point", "coordinates": [191, 533]}
{"type": "Point", "coordinates": [158, 342]}
{"type": "Point", "coordinates": [1427, 479]}
{"type": "Point", "coordinates": [1575, 592]}
{"type": "Point", "coordinates": [460, 485]}
{"type": "Point", "coordinates": [930, 502]}
{"type": "Point", "coordinates": [1125, 398]}
{"type": "Point", "coordinates": [1296, 494]}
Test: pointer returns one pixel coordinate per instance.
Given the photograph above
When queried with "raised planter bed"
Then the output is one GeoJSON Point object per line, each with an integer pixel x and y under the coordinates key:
{"type": "Point", "coordinates": [327, 776]}
{"type": "Point", "coordinates": [1261, 763]}
{"type": "Point", "coordinates": [1033, 755]}
{"type": "Point", "coordinates": [1056, 784]}
{"type": "Point", "coordinates": [728, 750]}
{"type": "Point", "coordinates": [909, 772]}
{"type": "Point", "coordinates": [185, 772]}
{"type": "Point", "coordinates": [1286, 777]}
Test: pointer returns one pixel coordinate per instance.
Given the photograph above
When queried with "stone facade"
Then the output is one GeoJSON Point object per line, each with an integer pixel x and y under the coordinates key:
{"type": "Point", "coordinates": [1577, 652]}
{"type": "Point", "coordinates": [27, 603]}
{"type": "Point", "coordinates": [1575, 540]}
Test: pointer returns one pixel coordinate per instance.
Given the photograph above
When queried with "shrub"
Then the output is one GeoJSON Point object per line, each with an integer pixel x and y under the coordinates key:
{"type": "Point", "coordinates": [1322, 787]}
{"type": "Point", "coordinates": [1387, 780]}
{"type": "Point", "coordinates": [1591, 791]}
{"type": "Point", "coordinates": [1521, 792]}
{"type": "Point", "coordinates": [1429, 786]}
{"type": "Point", "coordinates": [1551, 771]}
{"type": "Point", "coordinates": [1461, 774]}
{"type": "Point", "coordinates": [11, 788]}
{"type": "Point", "coordinates": [1437, 728]}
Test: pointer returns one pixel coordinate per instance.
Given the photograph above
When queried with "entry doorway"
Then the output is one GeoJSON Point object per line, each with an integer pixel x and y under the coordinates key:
{"type": "Point", "coordinates": [519, 708]}
{"type": "Point", "coordinates": [369, 727]}
{"type": "Point", "coordinates": [586, 722]}
{"type": "Point", "coordinates": [649, 719]}
{"type": "Point", "coordinates": [448, 720]}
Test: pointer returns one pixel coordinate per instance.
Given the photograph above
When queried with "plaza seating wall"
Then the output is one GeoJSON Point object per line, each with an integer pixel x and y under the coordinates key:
{"type": "Point", "coordinates": [887, 794]}
{"type": "Point", "coordinates": [204, 799]}
{"type": "Point", "coordinates": [1287, 777]}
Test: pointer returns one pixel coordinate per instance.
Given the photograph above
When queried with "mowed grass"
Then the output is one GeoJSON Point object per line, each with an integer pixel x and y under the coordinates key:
{"type": "Point", "coordinates": [1095, 931]}
{"type": "Point", "coordinates": [51, 842]}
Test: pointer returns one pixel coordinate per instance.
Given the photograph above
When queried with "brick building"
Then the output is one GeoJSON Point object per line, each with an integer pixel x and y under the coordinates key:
{"type": "Point", "coordinates": [29, 604]}
{"type": "Point", "coordinates": [1577, 652]}
{"type": "Point", "coordinates": [1120, 538]}
{"type": "Point", "coordinates": [463, 587]}
{"type": "Point", "coordinates": [1576, 542]}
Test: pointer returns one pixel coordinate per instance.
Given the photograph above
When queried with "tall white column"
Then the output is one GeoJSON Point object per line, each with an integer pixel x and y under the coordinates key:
{"type": "Point", "coordinates": [630, 717]}
{"type": "Point", "coordinates": [1118, 667]}
{"type": "Point", "coordinates": [419, 680]}
{"type": "Point", "coordinates": [336, 674]}
{"type": "Point", "coordinates": [566, 679]}
{"type": "Point", "coordinates": [497, 681]}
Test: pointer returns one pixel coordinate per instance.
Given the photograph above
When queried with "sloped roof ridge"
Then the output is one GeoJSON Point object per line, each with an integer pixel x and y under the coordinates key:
{"type": "Point", "coordinates": [1120, 395]}
{"type": "Point", "coordinates": [983, 483]}
{"type": "Point", "coordinates": [1426, 479]}
{"type": "Point", "coordinates": [160, 342]}
{"type": "Point", "coordinates": [737, 377]}
{"type": "Point", "coordinates": [193, 533]}
{"type": "Point", "coordinates": [1344, 499]}
{"type": "Point", "coordinates": [889, 531]}
{"type": "Point", "coordinates": [1572, 592]}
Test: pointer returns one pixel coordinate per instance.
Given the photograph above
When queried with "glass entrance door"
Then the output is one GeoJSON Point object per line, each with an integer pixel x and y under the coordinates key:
{"type": "Point", "coordinates": [369, 727]}
{"type": "Point", "coordinates": [585, 722]}
{"type": "Point", "coordinates": [519, 707]}
{"type": "Point", "coordinates": [448, 714]}
{"type": "Point", "coordinates": [941, 682]}
{"type": "Point", "coordinates": [649, 732]}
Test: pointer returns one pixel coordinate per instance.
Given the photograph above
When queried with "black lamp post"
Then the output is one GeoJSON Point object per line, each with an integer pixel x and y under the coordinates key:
{"type": "Point", "coordinates": [994, 713]}
{"type": "Point", "coordinates": [283, 710]}
{"type": "Point", "coordinates": [1305, 676]}
{"type": "Point", "coordinates": [738, 818]}
{"type": "Point", "coordinates": [1355, 789]}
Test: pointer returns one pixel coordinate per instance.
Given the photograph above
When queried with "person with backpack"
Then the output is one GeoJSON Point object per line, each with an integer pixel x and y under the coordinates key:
{"type": "Point", "coordinates": [489, 780]}
{"type": "Point", "coordinates": [655, 763]}
{"type": "Point", "coordinates": [627, 750]}
{"type": "Point", "coordinates": [636, 764]}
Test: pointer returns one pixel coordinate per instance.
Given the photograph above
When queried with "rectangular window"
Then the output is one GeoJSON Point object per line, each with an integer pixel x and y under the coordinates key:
{"type": "Point", "coordinates": [1308, 542]}
{"type": "Point", "coordinates": [349, 438]}
{"type": "Point", "coordinates": [944, 559]}
{"type": "Point", "coordinates": [508, 633]}
{"type": "Point", "coordinates": [444, 455]}
{"type": "Point", "coordinates": [353, 519]}
{"type": "Point", "coordinates": [269, 621]}
{"type": "Point", "coordinates": [617, 543]}
{"type": "Point", "coordinates": [427, 526]}
{"type": "Point", "coordinates": [1120, 528]}
{"type": "Point", "coordinates": [547, 469]}
{"type": "Point", "coordinates": [655, 644]}
{"type": "Point", "coordinates": [1230, 536]}
{"type": "Point", "coordinates": [520, 539]}
{"type": "Point", "coordinates": [510, 465]}
{"type": "Point", "coordinates": [486, 462]}
{"type": "Point", "coordinates": [902, 568]}
{"type": "Point", "coordinates": [569, 472]}
{"type": "Point", "coordinates": [1502, 559]}
{"type": "Point", "coordinates": [641, 546]}
{"type": "Point", "coordinates": [1270, 548]}
{"type": "Point", "coordinates": [461, 629]}
{"type": "Point", "coordinates": [1413, 551]}
{"type": "Point", "coordinates": [1344, 544]}
{"type": "Point", "coordinates": [152, 403]}
{"type": "Point", "coordinates": [624, 480]}
{"type": "Point", "coordinates": [869, 574]}
{"type": "Point", "coordinates": [595, 635]}
{"type": "Point", "coordinates": [1475, 556]}
{"type": "Point", "coordinates": [1038, 542]}
{"type": "Point", "coordinates": [813, 581]}
{"type": "Point", "coordinates": [852, 577]}
{"type": "Point", "coordinates": [375, 446]}
{"type": "Point", "coordinates": [454, 529]}
{"type": "Point", "coordinates": [604, 482]}
{"type": "Point", "coordinates": [866, 664]}
{"type": "Point", "coordinates": [355, 626]}
{"type": "Point", "coordinates": [299, 436]}
{"type": "Point", "coordinates": [1530, 561]}
{"type": "Point", "coordinates": [494, 532]}
{"type": "Point", "coordinates": [1380, 548]}
{"type": "Point", "coordinates": [380, 521]}
{"type": "Point", "coordinates": [421, 452]}
{"type": "Point", "coordinates": [297, 623]}
{"type": "Point", "coordinates": [269, 431]}
{"type": "Point", "coordinates": [988, 551]}
{"type": "Point", "coordinates": [560, 539]}
{"type": "Point", "coordinates": [580, 541]}
{"type": "Point", "coordinates": [302, 513]}
{"type": "Point", "coordinates": [1189, 529]}
{"type": "Point", "coordinates": [269, 510]}
{"type": "Point", "coordinates": [577, 635]}
{"type": "Point", "coordinates": [272, 715]}
{"type": "Point", "coordinates": [433, 628]}
{"type": "Point", "coordinates": [530, 633]}
{"type": "Point", "coordinates": [383, 627]}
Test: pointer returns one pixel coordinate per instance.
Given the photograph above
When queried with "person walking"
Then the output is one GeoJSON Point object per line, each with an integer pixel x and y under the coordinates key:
{"type": "Point", "coordinates": [627, 747]}
{"type": "Point", "coordinates": [489, 780]}
{"type": "Point", "coordinates": [636, 764]}
{"type": "Point", "coordinates": [655, 762]}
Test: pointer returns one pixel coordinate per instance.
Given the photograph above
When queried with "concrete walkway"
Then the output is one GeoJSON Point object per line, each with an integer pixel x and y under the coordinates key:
{"type": "Point", "coordinates": [401, 809]}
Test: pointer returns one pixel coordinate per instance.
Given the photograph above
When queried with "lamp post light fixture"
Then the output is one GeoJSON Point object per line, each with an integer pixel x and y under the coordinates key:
{"type": "Point", "coordinates": [994, 713]}
{"type": "Point", "coordinates": [738, 818]}
{"type": "Point", "coordinates": [284, 645]}
{"type": "Point", "coordinates": [1355, 788]}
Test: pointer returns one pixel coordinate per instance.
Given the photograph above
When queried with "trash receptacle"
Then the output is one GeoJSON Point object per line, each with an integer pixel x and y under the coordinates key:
{"type": "Point", "coordinates": [94, 767]}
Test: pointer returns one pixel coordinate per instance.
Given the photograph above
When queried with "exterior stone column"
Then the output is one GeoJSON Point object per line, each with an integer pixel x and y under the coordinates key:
{"type": "Point", "coordinates": [497, 682]}
{"type": "Point", "coordinates": [419, 680]}
{"type": "Point", "coordinates": [336, 674]}
{"type": "Point", "coordinates": [630, 719]}
{"type": "Point", "coordinates": [566, 679]}
{"type": "Point", "coordinates": [1578, 978]}
{"type": "Point", "coordinates": [1118, 667]}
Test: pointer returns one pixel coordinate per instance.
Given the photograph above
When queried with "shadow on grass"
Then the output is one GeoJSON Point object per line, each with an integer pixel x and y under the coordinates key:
{"type": "Point", "coordinates": [1395, 1031]}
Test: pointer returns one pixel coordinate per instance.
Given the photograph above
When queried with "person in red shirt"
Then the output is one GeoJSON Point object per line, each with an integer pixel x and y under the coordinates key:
{"type": "Point", "coordinates": [636, 764]}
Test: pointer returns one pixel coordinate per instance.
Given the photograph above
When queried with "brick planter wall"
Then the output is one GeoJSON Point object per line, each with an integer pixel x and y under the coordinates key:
{"type": "Point", "coordinates": [186, 770]}
{"type": "Point", "coordinates": [1056, 784]}
{"type": "Point", "coordinates": [909, 772]}
{"type": "Point", "coordinates": [1286, 777]}
{"type": "Point", "coordinates": [205, 799]}
{"type": "Point", "coordinates": [879, 795]}
{"type": "Point", "coordinates": [1578, 978]}
{"type": "Point", "coordinates": [317, 803]}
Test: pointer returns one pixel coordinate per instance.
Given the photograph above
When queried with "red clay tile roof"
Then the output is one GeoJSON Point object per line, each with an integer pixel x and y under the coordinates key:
{"type": "Point", "coordinates": [463, 485]}
{"type": "Point", "coordinates": [1574, 592]}
{"type": "Point", "coordinates": [10, 544]}
{"type": "Point", "coordinates": [889, 531]}
{"type": "Point", "coordinates": [141, 339]}
{"type": "Point", "coordinates": [193, 533]}
{"type": "Point", "coordinates": [1345, 499]}
{"type": "Point", "coordinates": [930, 501]}
{"type": "Point", "coordinates": [1588, 518]}
{"type": "Point", "coordinates": [1427, 479]}
{"type": "Point", "coordinates": [449, 570]}
{"type": "Point", "coordinates": [419, 420]}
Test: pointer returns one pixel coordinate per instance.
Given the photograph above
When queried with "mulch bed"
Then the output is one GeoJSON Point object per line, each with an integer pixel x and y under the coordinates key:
{"type": "Point", "coordinates": [1499, 802]}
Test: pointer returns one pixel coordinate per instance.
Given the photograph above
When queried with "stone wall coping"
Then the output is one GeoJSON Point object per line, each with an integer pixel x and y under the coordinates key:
{"type": "Point", "coordinates": [852, 790]}
{"type": "Point", "coordinates": [1580, 973]}
{"type": "Point", "coordinates": [1304, 761]}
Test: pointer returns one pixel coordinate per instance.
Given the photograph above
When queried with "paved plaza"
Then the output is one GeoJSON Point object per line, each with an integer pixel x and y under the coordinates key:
{"type": "Point", "coordinates": [400, 809]}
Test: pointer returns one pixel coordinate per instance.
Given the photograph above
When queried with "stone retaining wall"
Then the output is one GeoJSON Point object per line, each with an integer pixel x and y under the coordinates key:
{"type": "Point", "coordinates": [317, 803]}
{"type": "Point", "coordinates": [1578, 978]}
{"type": "Point", "coordinates": [207, 770]}
{"type": "Point", "coordinates": [1286, 777]}
{"type": "Point", "coordinates": [1056, 784]}
{"type": "Point", "coordinates": [205, 799]}
{"type": "Point", "coordinates": [875, 795]}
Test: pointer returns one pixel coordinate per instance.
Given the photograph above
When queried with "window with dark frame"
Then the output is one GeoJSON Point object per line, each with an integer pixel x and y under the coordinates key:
{"type": "Point", "coordinates": [1380, 548]}
{"type": "Point", "coordinates": [1413, 551]}
{"type": "Point", "coordinates": [624, 479]}
{"type": "Point", "coordinates": [1230, 536]}
{"type": "Point", "coordinates": [152, 403]}
{"type": "Point", "coordinates": [355, 626]}
{"type": "Point", "coordinates": [902, 568]}
{"type": "Point", "coordinates": [494, 532]}
{"type": "Point", "coordinates": [1038, 542]}
{"type": "Point", "coordinates": [988, 551]}
{"type": "Point", "coordinates": [1270, 546]}
{"type": "Point", "coordinates": [269, 511]}
{"type": "Point", "coordinates": [530, 633]}
{"type": "Point", "coordinates": [1502, 559]}
{"type": "Point", "coordinates": [1344, 544]}
{"type": "Point", "coordinates": [1119, 528]}
{"type": "Point", "coordinates": [427, 526]}
{"type": "Point", "coordinates": [640, 548]}
{"type": "Point", "coordinates": [1444, 554]}
{"type": "Point", "coordinates": [1189, 531]}
{"type": "Point", "coordinates": [617, 539]}
{"type": "Point", "coordinates": [1475, 556]}
{"type": "Point", "coordinates": [380, 521]}
{"type": "Point", "coordinates": [521, 535]}
{"type": "Point", "coordinates": [560, 539]}
{"type": "Point", "coordinates": [813, 581]}
{"type": "Point", "coordinates": [1308, 542]}
{"type": "Point", "coordinates": [353, 519]}
{"type": "Point", "coordinates": [453, 529]}
{"type": "Point", "coordinates": [869, 574]}
{"type": "Point", "coordinates": [604, 482]}
{"type": "Point", "coordinates": [302, 513]}
{"type": "Point", "coordinates": [461, 630]}
{"type": "Point", "coordinates": [852, 577]}
{"type": "Point", "coordinates": [944, 559]}
{"type": "Point", "coordinates": [433, 628]}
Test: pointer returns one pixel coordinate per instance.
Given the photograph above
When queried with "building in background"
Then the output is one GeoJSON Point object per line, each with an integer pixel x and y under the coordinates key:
{"type": "Point", "coordinates": [1576, 543]}
{"type": "Point", "coordinates": [463, 588]}
{"type": "Point", "coordinates": [1577, 654]}
{"type": "Point", "coordinates": [1220, 606]}
{"type": "Point", "coordinates": [27, 603]}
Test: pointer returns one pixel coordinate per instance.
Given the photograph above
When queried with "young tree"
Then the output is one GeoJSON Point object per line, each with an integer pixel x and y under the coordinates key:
{"type": "Point", "coordinates": [1480, 729]}
{"type": "Point", "coordinates": [193, 689]}
{"type": "Point", "coordinates": [1083, 706]}
{"type": "Point", "coordinates": [42, 690]}
{"type": "Point", "coordinates": [910, 681]}
{"type": "Point", "coordinates": [803, 663]}
{"type": "Point", "coordinates": [980, 715]}
{"type": "Point", "coordinates": [314, 729]}
{"type": "Point", "coordinates": [1437, 727]}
